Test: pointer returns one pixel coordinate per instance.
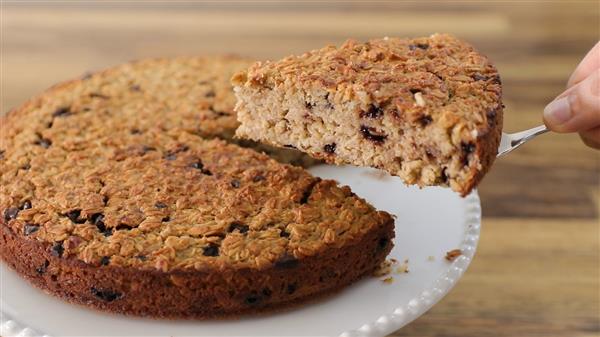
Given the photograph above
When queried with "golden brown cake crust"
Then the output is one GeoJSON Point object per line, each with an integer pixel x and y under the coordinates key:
{"type": "Point", "coordinates": [118, 201]}
{"type": "Point", "coordinates": [427, 109]}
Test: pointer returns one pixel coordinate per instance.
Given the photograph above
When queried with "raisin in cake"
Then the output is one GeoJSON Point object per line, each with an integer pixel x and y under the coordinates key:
{"type": "Point", "coordinates": [115, 194]}
{"type": "Point", "coordinates": [428, 110]}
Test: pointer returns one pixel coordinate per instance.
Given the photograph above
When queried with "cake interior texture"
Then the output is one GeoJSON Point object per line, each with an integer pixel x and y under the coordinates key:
{"type": "Point", "coordinates": [427, 110]}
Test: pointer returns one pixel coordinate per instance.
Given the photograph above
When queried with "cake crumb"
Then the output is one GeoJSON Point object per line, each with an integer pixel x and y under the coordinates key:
{"type": "Point", "coordinates": [403, 268]}
{"type": "Point", "coordinates": [388, 280]}
{"type": "Point", "coordinates": [431, 258]}
{"type": "Point", "coordinates": [453, 254]}
{"type": "Point", "coordinates": [384, 269]}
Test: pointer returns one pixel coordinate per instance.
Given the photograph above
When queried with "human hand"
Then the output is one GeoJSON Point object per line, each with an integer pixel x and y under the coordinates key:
{"type": "Point", "coordinates": [577, 109]}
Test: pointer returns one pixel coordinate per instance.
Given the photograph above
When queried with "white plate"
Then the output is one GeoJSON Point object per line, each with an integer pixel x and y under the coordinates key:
{"type": "Point", "coordinates": [430, 222]}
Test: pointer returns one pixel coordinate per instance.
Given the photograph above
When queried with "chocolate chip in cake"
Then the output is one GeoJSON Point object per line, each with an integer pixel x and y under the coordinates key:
{"type": "Point", "coordinates": [43, 142]}
{"type": "Point", "coordinates": [135, 131]}
{"type": "Point", "coordinates": [309, 105]}
{"type": "Point", "coordinates": [284, 234]}
{"type": "Point", "coordinates": [200, 166]}
{"type": "Point", "coordinates": [382, 242]}
{"type": "Point", "coordinates": [252, 299]}
{"type": "Point", "coordinates": [479, 77]}
{"type": "Point", "coordinates": [105, 294]}
{"type": "Point", "coordinates": [423, 46]}
{"type": "Point", "coordinates": [57, 249]}
{"type": "Point", "coordinates": [26, 205]}
{"type": "Point", "coordinates": [211, 250]}
{"type": "Point", "coordinates": [467, 148]}
{"type": "Point", "coordinates": [98, 220]}
{"type": "Point", "coordinates": [73, 215]}
{"type": "Point", "coordinates": [291, 288]}
{"type": "Point", "coordinates": [160, 205]}
{"type": "Point", "coordinates": [491, 117]}
{"type": "Point", "coordinates": [373, 112]}
{"type": "Point", "coordinates": [135, 87]}
{"type": "Point", "coordinates": [258, 178]}
{"type": "Point", "coordinates": [62, 112]}
{"type": "Point", "coordinates": [289, 146]}
{"type": "Point", "coordinates": [329, 148]}
{"type": "Point", "coordinates": [444, 175]}
{"type": "Point", "coordinates": [166, 219]}
{"type": "Point", "coordinates": [105, 260]}
{"type": "Point", "coordinates": [267, 292]}
{"type": "Point", "coordinates": [11, 213]}
{"type": "Point", "coordinates": [425, 120]}
{"type": "Point", "coordinates": [170, 156]}
{"type": "Point", "coordinates": [2, 154]}
{"type": "Point", "coordinates": [372, 134]}
{"type": "Point", "coordinates": [97, 95]}
{"type": "Point", "coordinates": [42, 269]}
{"type": "Point", "coordinates": [26, 167]}
{"type": "Point", "coordinates": [210, 93]}
{"type": "Point", "coordinates": [197, 165]}
{"type": "Point", "coordinates": [240, 227]}
{"type": "Point", "coordinates": [235, 183]}
{"type": "Point", "coordinates": [30, 228]}
{"type": "Point", "coordinates": [286, 262]}
{"type": "Point", "coordinates": [142, 257]}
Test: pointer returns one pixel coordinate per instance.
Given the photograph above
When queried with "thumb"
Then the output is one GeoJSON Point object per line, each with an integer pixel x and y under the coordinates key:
{"type": "Point", "coordinates": [577, 109]}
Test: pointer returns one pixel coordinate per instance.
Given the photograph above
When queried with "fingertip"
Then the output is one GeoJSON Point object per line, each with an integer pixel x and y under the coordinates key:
{"type": "Point", "coordinates": [557, 113]}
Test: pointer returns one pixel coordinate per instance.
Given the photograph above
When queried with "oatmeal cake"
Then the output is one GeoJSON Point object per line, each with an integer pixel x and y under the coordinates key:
{"type": "Point", "coordinates": [116, 194]}
{"type": "Point", "coordinates": [428, 109]}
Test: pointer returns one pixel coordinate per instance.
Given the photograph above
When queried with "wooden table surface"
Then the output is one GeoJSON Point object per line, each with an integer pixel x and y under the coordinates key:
{"type": "Point", "coordinates": [536, 272]}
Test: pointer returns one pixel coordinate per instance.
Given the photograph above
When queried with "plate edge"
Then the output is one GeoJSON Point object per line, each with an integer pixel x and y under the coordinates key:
{"type": "Point", "coordinates": [401, 316]}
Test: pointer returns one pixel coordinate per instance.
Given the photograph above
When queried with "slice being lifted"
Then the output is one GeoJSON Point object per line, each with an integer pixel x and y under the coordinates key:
{"type": "Point", "coordinates": [428, 110]}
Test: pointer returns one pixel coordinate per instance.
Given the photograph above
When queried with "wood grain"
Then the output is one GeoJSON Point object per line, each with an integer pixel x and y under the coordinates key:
{"type": "Point", "coordinates": [537, 269]}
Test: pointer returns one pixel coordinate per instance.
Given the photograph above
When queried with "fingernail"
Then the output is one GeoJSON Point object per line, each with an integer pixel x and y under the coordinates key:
{"type": "Point", "coordinates": [558, 111]}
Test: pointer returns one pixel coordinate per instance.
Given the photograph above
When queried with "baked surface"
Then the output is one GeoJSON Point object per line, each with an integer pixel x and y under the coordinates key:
{"type": "Point", "coordinates": [427, 109]}
{"type": "Point", "coordinates": [129, 204]}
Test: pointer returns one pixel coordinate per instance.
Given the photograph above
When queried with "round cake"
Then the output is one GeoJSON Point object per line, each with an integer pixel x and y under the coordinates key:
{"type": "Point", "coordinates": [116, 193]}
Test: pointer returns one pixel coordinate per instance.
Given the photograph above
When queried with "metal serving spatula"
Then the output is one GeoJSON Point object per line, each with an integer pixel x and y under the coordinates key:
{"type": "Point", "coordinates": [511, 141]}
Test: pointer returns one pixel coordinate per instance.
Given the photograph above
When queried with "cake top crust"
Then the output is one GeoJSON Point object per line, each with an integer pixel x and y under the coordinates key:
{"type": "Point", "coordinates": [117, 168]}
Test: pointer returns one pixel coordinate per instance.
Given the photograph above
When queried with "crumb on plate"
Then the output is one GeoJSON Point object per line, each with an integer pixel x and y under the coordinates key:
{"type": "Point", "coordinates": [453, 254]}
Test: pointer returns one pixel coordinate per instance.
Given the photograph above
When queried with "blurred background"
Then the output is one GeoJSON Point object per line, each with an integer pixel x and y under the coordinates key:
{"type": "Point", "coordinates": [537, 270]}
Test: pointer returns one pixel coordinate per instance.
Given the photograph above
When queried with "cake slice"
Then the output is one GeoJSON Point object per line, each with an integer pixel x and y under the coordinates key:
{"type": "Point", "coordinates": [116, 194]}
{"type": "Point", "coordinates": [427, 110]}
